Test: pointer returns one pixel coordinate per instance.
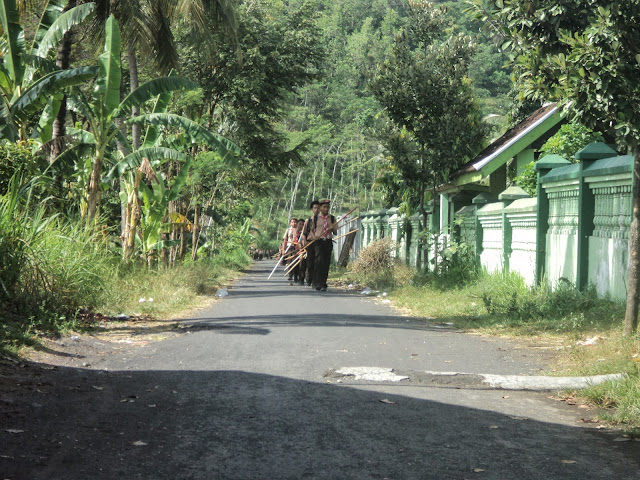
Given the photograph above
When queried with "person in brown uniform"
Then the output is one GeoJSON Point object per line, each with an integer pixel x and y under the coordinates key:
{"type": "Point", "coordinates": [325, 226]}
{"type": "Point", "coordinates": [287, 245]}
{"type": "Point", "coordinates": [298, 272]}
{"type": "Point", "coordinates": [306, 230]}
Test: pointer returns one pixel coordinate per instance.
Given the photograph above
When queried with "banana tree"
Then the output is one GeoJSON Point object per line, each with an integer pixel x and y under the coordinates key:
{"type": "Point", "coordinates": [155, 204]}
{"type": "Point", "coordinates": [102, 109]}
{"type": "Point", "coordinates": [29, 82]}
{"type": "Point", "coordinates": [160, 128]}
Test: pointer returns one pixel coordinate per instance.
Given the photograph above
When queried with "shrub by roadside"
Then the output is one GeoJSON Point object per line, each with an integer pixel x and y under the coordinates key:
{"type": "Point", "coordinates": [51, 268]}
{"type": "Point", "coordinates": [377, 267]}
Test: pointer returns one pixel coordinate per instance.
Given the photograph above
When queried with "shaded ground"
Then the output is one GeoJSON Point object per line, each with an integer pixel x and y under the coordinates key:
{"type": "Point", "coordinates": [246, 389]}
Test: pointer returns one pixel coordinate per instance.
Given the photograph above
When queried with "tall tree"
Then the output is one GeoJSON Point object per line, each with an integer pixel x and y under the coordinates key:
{"type": "Point", "coordinates": [423, 87]}
{"type": "Point", "coordinates": [584, 54]}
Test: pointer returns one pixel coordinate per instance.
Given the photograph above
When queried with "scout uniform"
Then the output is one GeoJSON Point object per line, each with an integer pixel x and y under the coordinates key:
{"type": "Point", "coordinates": [323, 229]}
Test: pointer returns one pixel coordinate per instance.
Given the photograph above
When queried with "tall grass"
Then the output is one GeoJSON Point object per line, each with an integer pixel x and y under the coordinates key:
{"type": "Point", "coordinates": [51, 267]}
{"type": "Point", "coordinates": [48, 267]}
{"type": "Point", "coordinates": [128, 288]}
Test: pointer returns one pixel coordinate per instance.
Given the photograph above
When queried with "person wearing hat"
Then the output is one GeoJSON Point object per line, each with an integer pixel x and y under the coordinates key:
{"type": "Point", "coordinates": [325, 226]}
{"type": "Point", "coordinates": [306, 230]}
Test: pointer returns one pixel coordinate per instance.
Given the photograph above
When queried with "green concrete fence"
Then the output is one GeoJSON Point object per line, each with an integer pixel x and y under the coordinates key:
{"type": "Point", "coordinates": [576, 230]}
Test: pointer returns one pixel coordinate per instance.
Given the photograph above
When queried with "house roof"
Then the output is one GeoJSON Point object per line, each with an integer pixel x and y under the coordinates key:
{"type": "Point", "coordinates": [512, 142]}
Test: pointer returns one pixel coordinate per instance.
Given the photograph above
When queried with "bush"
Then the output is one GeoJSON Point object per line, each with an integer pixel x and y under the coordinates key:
{"type": "Point", "coordinates": [16, 160]}
{"type": "Point", "coordinates": [377, 267]}
{"type": "Point", "coordinates": [375, 258]}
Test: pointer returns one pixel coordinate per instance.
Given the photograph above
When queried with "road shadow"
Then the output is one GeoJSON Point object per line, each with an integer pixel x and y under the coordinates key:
{"type": "Point", "coordinates": [78, 424]}
{"type": "Point", "coordinates": [263, 324]}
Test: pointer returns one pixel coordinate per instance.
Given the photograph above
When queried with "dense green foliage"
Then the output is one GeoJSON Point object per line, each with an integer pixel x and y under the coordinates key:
{"type": "Point", "coordinates": [571, 138]}
{"type": "Point", "coordinates": [424, 89]}
{"type": "Point", "coordinates": [112, 162]}
{"type": "Point", "coordinates": [584, 55]}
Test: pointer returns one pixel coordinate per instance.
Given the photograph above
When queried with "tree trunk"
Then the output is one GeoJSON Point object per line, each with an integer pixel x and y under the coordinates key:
{"type": "Point", "coordinates": [424, 243]}
{"type": "Point", "coordinates": [196, 232]}
{"type": "Point", "coordinates": [124, 213]}
{"type": "Point", "coordinates": [133, 219]}
{"type": "Point", "coordinates": [633, 287]}
{"type": "Point", "coordinates": [343, 259]}
{"type": "Point", "coordinates": [294, 191]}
{"type": "Point", "coordinates": [135, 111]}
{"type": "Point", "coordinates": [183, 243]}
{"type": "Point", "coordinates": [94, 190]}
{"type": "Point", "coordinates": [63, 61]}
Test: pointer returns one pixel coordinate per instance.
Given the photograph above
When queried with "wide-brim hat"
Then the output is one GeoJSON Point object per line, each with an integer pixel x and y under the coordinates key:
{"type": "Point", "coordinates": [325, 201]}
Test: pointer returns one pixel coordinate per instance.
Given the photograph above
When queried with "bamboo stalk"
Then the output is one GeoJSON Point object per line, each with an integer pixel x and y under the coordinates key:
{"type": "Point", "coordinates": [294, 264]}
{"type": "Point", "coordinates": [352, 220]}
{"type": "Point", "coordinates": [345, 234]}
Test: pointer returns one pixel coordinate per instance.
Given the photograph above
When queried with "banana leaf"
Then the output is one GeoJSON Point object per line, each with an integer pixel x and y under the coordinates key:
{"type": "Point", "coordinates": [37, 94]}
{"type": "Point", "coordinates": [14, 45]}
{"type": "Point", "coordinates": [44, 131]}
{"type": "Point", "coordinates": [77, 102]}
{"type": "Point", "coordinates": [62, 25]}
{"type": "Point", "coordinates": [76, 153]}
{"type": "Point", "coordinates": [198, 134]}
{"type": "Point", "coordinates": [151, 89]}
{"type": "Point", "coordinates": [108, 83]}
{"type": "Point", "coordinates": [160, 106]}
{"type": "Point", "coordinates": [34, 62]}
{"type": "Point", "coordinates": [179, 181]}
{"type": "Point", "coordinates": [51, 10]}
{"type": "Point", "coordinates": [154, 154]}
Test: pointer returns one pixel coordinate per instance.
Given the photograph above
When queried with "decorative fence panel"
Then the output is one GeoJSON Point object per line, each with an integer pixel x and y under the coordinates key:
{"type": "Point", "coordinates": [576, 230]}
{"type": "Point", "coordinates": [521, 217]}
{"type": "Point", "coordinates": [610, 183]}
{"type": "Point", "coordinates": [491, 248]}
{"type": "Point", "coordinates": [562, 236]}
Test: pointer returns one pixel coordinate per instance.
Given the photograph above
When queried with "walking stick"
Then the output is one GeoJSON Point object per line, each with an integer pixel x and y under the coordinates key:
{"type": "Point", "coordinates": [337, 221]}
{"type": "Point", "coordinates": [295, 263]}
{"type": "Point", "coordinates": [345, 234]}
{"type": "Point", "coordinates": [281, 257]}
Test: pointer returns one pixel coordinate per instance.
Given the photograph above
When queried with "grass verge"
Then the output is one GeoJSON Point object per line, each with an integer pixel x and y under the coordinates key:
{"type": "Point", "coordinates": [131, 290]}
{"type": "Point", "coordinates": [586, 330]}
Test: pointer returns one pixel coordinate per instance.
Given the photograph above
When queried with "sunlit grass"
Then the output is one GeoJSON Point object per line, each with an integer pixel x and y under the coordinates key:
{"type": "Point", "coordinates": [166, 291]}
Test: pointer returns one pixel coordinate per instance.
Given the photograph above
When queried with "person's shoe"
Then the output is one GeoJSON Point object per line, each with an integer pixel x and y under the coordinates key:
{"type": "Point", "coordinates": [291, 284]}
{"type": "Point", "coordinates": [318, 288]}
{"type": "Point", "coordinates": [324, 289]}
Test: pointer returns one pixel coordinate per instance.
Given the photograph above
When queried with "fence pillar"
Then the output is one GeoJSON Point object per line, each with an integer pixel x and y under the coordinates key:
{"type": "Point", "coordinates": [544, 166]}
{"type": "Point", "coordinates": [508, 196]}
{"type": "Point", "coordinates": [479, 201]}
{"type": "Point", "coordinates": [586, 207]}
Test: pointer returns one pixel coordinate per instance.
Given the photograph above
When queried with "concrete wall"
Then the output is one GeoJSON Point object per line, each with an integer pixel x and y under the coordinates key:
{"type": "Point", "coordinates": [576, 230]}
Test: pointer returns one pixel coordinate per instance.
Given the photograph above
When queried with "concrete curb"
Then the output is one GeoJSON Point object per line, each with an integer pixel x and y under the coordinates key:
{"type": "Point", "coordinates": [515, 382]}
{"type": "Point", "coordinates": [540, 383]}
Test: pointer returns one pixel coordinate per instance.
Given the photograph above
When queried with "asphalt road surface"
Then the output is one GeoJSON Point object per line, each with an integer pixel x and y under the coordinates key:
{"type": "Point", "coordinates": [284, 382]}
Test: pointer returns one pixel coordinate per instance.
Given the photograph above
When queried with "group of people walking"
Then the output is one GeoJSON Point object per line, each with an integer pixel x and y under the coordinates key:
{"type": "Point", "coordinates": [310, 243]}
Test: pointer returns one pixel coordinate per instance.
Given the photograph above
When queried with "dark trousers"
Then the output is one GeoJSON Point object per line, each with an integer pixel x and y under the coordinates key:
{"type": "Point", "coordinates": [303, 269]}
{"type": "Point", "coordinates": [310, 263]}
{"type": "Point", "coordinates": [322, 260]}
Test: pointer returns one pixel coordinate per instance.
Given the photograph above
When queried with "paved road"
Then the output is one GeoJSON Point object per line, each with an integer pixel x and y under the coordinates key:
{"type": "Point", "coordinates": [253, 389]}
